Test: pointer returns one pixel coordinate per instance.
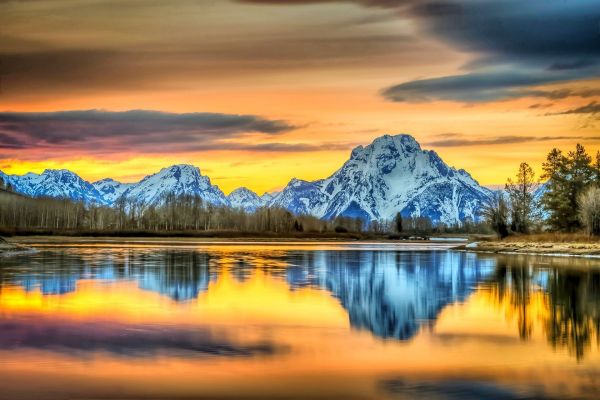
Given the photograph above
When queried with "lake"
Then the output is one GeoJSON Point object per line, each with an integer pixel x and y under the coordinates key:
{"type": "Point", "coordinates": [296, 320]}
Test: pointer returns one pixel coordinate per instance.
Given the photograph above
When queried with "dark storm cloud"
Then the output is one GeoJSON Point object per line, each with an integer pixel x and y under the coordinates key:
{"type": "Point", "coordinates": [536, 28]}
{"type": "Point", "coordinates": [501, 140]}
{"type": "Point", "coordinates": [549, 32]}
{"type": "Point", "coordinates": [136, 130]}
{"type": "Point", "coordinates": [554, 41]}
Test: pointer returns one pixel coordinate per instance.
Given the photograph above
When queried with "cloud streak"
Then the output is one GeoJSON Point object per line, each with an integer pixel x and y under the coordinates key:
{"type": "Point", "coordinates": [472, 87]}
{"type": "Point", "coordinates": [502, 140]}
{"type": "Point", "coordinates": [592, 108]}
{"type": "Point", "coordinates": [145, 132]}
{"type": "Point", "coordinates": [133, 131]}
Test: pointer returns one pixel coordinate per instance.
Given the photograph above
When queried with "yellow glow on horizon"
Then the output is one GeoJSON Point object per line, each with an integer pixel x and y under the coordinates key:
{"type": "Point", "coordinates": [342, 116]}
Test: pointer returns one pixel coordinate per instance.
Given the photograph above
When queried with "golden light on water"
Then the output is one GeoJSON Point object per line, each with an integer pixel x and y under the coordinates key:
{"type": "Point", "coordinates": [315, 343]}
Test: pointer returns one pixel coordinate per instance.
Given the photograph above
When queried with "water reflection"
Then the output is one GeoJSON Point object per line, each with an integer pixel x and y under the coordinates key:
{"type": "Point", "coordinates": [389, 293]}
{"type": "Point", "coordinates": [392, 293]}
{"type": "Point", "coordinates": [259, 321]}
{"type": "Point", "coordinates": [567, 300]}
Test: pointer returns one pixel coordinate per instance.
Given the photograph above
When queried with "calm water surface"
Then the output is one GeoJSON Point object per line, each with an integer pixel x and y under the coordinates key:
{"type": "Point", "coordinates": [364, 321]}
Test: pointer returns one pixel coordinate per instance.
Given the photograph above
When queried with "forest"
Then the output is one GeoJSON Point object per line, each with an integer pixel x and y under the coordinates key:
{"type": "Point", "coordinates": [567, 201]}
{"type": "Point", "coordinates": [186, 215]}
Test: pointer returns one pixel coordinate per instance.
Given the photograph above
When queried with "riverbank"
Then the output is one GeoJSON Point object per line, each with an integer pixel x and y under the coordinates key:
{"type": "Point", "coordinates": [83, 240]}
{"type": "Point", "coordinates": [8, 248]}
{"type": "Point", "coordinates": [555, 244]}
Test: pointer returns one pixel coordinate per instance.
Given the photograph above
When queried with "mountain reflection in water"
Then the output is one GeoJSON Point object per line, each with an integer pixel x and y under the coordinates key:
{"type": "Point", "coordinates": [304, 320]}
{"type": "Point", "coordinates": [388, 293]}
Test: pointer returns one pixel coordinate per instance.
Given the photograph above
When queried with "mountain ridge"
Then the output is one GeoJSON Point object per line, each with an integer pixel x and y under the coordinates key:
{"type": "Point", "coordinates": [390, 175]}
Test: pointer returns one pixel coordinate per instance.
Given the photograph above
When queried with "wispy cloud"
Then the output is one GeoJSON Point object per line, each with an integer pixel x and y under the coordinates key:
{"type": "Point", "coordinates": [472, 87]}
{"type": "Point", "coordinates": [501, 140]}
{"type": "Point", "coordinates": [540, 105]}
{"type": "Point", "coordinates": [592, 108]}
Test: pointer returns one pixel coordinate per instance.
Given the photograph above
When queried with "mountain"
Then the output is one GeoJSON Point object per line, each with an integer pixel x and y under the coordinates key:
{"type": "Point", "coordinates": [110, 189]}
{"type": "Point", "coordinates": [245, 199]}
{"type": "Point", "coordinates": [177, 179]}
{"type": "Point", "coordinates": [267, 197]}
{"type": "Point", "coordinates": [392, 174]}
{"type": "Point", "coordinates": [54, 183]}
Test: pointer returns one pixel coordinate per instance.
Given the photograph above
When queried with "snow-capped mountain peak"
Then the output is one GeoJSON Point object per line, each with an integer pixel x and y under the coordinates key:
{"type": "Point", "coordinates": [178, 180]}
{"type": "Point", "coordinates": [390, 175]}
{"type": "Point", "coordinates": [110, 189]}
{"type": "Point", "coordinates": [245, 199]}
{"type": "Point", "coordinates": [58, 183]}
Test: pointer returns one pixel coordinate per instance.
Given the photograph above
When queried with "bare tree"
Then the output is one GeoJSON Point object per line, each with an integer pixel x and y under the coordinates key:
{"type": "Point", "coordinates": [495, 212]}
{"type": "Point", "coordinates": [589, 210]}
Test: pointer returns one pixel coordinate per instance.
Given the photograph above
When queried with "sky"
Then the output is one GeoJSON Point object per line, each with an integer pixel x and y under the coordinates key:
{"type": "Point", "coordinates": [256, 92]}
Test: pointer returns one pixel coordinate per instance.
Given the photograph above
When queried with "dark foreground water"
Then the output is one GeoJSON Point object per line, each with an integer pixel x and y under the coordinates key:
{"type": "Point", "coordinates": [296, 320]}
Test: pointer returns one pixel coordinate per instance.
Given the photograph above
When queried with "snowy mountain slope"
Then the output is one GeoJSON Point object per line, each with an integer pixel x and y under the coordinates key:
{"type": "Point", "coordinates": [110, 189]}
{"type": "Point", "coordinates": [245, 199]}
{"type": "Point", "coordinates": [392, 174]}
{"type": "Point", "coordinates": [179, 180]}
{"type": "Point", "coordinates": [267, 197]}
{"type": "Point", "coordinates": [54, 183]}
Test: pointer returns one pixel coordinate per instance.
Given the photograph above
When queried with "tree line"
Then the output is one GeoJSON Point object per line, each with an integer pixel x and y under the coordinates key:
{"type": "Point", "coordinates": [189, 213]}
{"type": "Point", "coordinates": [174, 213]}
{"type": "Point", "coordinates": [568, 201]}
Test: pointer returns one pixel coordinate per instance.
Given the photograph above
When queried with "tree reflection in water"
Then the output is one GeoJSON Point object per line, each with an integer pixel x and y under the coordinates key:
{"type": "Point", "coordinates": [570, 298]}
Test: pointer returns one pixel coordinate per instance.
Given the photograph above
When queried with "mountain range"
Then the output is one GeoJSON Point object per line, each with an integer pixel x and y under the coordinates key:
{"type": "Point", "coordinates": [392, 174]}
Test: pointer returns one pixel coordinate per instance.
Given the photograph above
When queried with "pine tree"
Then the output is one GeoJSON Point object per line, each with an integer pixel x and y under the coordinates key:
{"type": "Point", "coordinates": [568, 176]}
{"type": "Point", "coordinates": [580, 176]}
{"type": "Point", "coordinates": [398, 222]}
{"type": "Point", "coordinates": [554, 200]}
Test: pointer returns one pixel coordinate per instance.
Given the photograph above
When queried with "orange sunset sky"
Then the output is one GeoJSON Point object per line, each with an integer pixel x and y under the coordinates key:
{"type": "Point", "coordinates": [255, 92]}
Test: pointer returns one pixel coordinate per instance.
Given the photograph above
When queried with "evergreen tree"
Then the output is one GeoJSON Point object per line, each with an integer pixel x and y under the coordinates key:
{"type": "Point", "coordinates": [568, 176]}
{"type": "Point", "coordinates": [554, 200]}
{"type": "Point", "coordinates": [520, 193]}
{"type": "Point", "coordinates": [398, 222]}
{"type": "Point", "coordinates": [580, 176]}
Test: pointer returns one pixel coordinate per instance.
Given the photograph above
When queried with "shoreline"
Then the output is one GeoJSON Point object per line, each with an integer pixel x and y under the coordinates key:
{"type": "Point", "coordinates": [51, 240]}
{"type": "Point", "coordinates": [8, 249]}
{"type": "Point", "coordinates": [591, 250]}
{"type": "Point", "coordinates": [551, 249]}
